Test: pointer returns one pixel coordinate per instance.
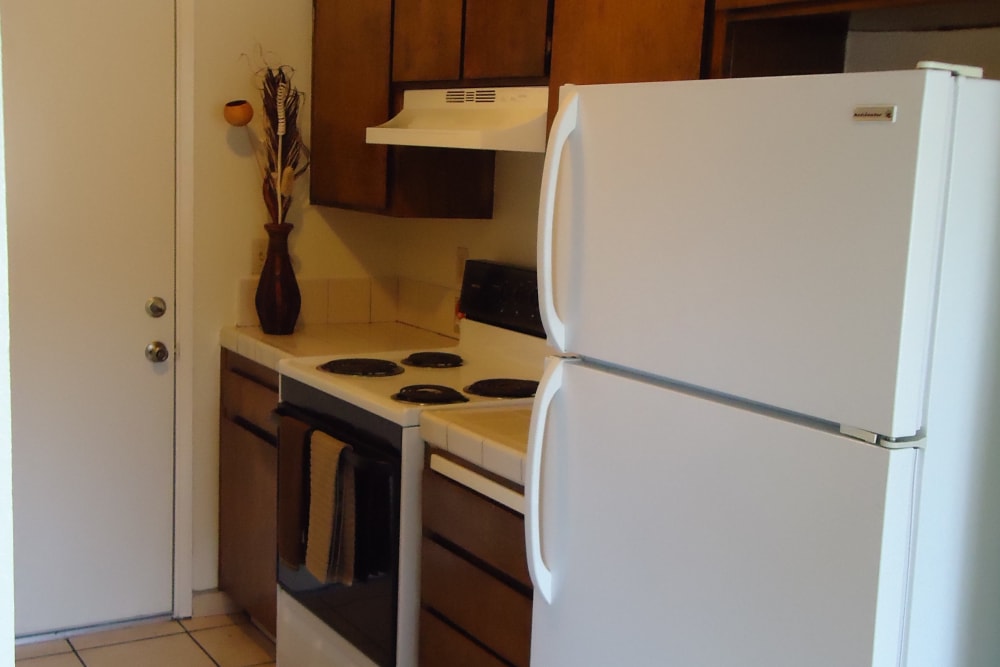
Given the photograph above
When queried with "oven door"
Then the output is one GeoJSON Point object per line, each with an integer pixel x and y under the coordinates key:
{"type": "Point", "coordinates": [359, 602]}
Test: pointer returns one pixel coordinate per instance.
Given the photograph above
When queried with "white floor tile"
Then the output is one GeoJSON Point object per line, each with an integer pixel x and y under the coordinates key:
{"type": "Point", "coordinates": [61, 660]}
{"type": "Point", "coordinates": [39, 649]}
{"type": "Point", "coordinates": [134, 633]}
{"type": "Point", "coordinates": [206, 622]}
{"type": "Point", "coordinates": [170, 651]}
{"type": "Point", "coordinates": [236, 645]}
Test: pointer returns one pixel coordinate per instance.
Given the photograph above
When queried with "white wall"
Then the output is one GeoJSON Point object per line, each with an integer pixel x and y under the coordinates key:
{"type": "Point", "coordinates": [6, 497]}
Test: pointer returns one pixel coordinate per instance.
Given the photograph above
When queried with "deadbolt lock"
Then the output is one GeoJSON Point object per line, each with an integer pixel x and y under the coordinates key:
{"type": "Point", "coordinates": [156, 307]}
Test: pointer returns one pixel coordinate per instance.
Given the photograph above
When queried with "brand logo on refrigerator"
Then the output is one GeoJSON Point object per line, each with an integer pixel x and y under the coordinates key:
{"type": "Point", "coordinates": [882, 114]}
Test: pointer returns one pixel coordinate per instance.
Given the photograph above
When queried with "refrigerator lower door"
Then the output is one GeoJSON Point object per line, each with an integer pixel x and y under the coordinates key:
{"type": "Point", "coordinates": [684, 531]}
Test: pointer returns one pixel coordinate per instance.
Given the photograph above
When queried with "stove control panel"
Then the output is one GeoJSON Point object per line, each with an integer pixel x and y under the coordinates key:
{"type": "Point", "coordinates": [501, 295]}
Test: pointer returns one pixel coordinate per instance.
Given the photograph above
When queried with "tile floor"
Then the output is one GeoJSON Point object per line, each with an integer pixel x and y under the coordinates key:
{"type": "Point", "coordinates": [225, 640]}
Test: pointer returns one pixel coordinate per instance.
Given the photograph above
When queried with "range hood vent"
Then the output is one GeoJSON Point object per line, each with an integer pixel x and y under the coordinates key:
{"type": "Point", "coordinates": [501, 119]}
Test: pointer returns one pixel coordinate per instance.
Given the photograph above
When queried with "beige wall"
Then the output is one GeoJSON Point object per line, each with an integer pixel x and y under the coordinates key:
{"type": "Point", "coordinates": [228, 215]}
{"type": "Point", "coordinates": [902, 50]}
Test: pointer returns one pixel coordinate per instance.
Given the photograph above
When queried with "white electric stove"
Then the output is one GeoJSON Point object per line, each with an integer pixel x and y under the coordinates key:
{"type": "Point", "coordinates": [374, 621]}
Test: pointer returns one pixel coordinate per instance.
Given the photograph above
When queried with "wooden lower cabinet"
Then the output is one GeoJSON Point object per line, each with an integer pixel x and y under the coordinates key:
{"type": "Point", "coordinates": [441, 645]}
{"type": "Point", "coordinates": [475, 589]}
{"type": "Point", "coordinates": [248, 488]}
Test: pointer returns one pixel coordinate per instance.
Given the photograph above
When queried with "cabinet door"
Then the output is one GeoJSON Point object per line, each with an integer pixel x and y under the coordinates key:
{"type": "Point", "coordinates": [350, 93]}
{"type": "Point", "coordinates": [248, 472]}
{"type": "Point", "coordinates": [609, 41]}
{"type": "Point", "coordinates": [505, 39]}
{"type": "Point", "coordinates": [427, 40]}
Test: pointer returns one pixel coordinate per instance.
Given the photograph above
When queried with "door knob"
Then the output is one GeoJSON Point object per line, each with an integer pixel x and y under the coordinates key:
{"type": "Point", "coordinates": [156, 307]}
{"type": "Point", "coordinates": [157, 352]}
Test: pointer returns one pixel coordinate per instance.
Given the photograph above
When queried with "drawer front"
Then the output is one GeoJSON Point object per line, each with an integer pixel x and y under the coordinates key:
{"type": "Point", "coordinates": [476, 524]}
{"type": "Point", "coordinates": [443, 646]}
{"type": "Point", "coordinates": [249, 393]}
{"type": "Point", "coordinates": [495, 614]}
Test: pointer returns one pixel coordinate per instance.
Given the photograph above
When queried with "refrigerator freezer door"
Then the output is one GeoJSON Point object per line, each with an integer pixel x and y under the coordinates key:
{"type": "Point", "coordinates": [684, 531]}
{"type": "Point", "coordinates": [756, 237]}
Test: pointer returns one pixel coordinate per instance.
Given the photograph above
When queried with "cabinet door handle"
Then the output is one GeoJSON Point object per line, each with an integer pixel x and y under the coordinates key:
{"type": "Point", "coordinates": [562, 128]}
{"type": "Point", "coordinates": [551, 382]}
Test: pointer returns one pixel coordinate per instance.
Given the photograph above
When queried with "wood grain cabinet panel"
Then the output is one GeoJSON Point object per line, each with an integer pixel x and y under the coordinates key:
{"type": "Point", "coordinates": [610, 41]}
{"type": "Point", "coordinates": [492, 533]}
{"type": "Point", "coordinates": [248, 473]}
{"type": "Point", "coordinates": [427, 40]}
{"type": "Point", "coordinates": [475, 589]}
{"type": "Point", "coordinates": [352, 67]}
{"type": "Point", "coordinates": [441, 645]}
{"type": "Point", "coordinates": [495, 614]}
{"type": "Point", "coordinates": [505, 39]}
{"type": "Point", "coordinates": [351, 47]}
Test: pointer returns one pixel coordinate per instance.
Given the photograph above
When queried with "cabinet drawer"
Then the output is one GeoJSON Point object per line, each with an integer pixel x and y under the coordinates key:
{"type": "Point", "coordinates": [443, 646]}
{"type": "Point", "coordinates": [488, 531]}
{"type": "Point", "coordinates": [248, 393]}
{"type": "Point", "coordinates": [495, 614]}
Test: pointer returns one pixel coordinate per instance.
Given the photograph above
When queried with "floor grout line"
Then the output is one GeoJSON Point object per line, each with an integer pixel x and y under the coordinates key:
{"type": "Point", "coordinates": [182, 630]}
{"type": "Point", "coordinates": [203, 649]}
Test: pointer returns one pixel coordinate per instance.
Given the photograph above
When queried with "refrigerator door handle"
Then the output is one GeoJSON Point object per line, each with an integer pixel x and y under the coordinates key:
{"type": "Point", "coordinates": [551, 382]}
{"type": "Point", "coordinates": [562, 127]}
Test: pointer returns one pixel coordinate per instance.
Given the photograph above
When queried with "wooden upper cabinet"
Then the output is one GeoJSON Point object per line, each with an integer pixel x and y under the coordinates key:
{"type": "Point", "coordinates": [506, 39]}
{"type": "Point", "coordinates": [742, 4]}
{"type": "Point", "coordinates": [785, 37]}
{"type": "Point", "coordinates": [449, 40]}
{"type": "Point", "coordinates": [351, 46]}
{"type": "Point", "coordinates": [352, 61]}
{"type": "Point", "coordinates": [612, 41]}
{"type": "Point", "coordinates": [427, 40]}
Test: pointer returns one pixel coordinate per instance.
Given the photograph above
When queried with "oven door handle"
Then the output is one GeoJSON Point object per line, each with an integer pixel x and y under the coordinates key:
{"type": "Point", "coordinates": [548, 387]}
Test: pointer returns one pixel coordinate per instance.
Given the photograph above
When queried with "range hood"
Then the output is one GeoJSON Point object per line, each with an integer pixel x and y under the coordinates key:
{"type": "Point", "coordinates": [501, 119]}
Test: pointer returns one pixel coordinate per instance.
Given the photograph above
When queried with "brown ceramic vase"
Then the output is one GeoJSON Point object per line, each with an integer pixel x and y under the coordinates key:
{"type": "Point", "coordinates": [277, 298]}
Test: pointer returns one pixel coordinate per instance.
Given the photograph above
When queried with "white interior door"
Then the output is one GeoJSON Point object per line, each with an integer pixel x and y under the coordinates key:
{"type": "Point", "coordinates": [89, 105]}
{"type": "Point", "coordinates": [684, 531]}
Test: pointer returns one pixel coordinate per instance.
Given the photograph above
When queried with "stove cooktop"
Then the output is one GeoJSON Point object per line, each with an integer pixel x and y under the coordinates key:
{"type": "Point", "coordinates": [487, 354]}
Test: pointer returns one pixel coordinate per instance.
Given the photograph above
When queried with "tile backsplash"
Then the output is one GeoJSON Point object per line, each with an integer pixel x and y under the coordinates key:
{"type": "Point", "coordinates": [345, 300]}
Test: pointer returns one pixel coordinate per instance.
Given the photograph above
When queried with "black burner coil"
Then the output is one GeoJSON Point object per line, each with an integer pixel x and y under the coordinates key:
{"type": "Point", "coordinates": [429, 394]}
{"type": "Point", "coordinates": [503, 388]}
{"type": "Point", "coordinates": [363, 367]}
{"type": "Point", "coordinates": [433, 360]}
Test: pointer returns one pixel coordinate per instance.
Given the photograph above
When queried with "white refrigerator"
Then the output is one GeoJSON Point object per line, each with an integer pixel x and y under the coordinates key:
{"type": "Point", "coordinates": [772, 437]}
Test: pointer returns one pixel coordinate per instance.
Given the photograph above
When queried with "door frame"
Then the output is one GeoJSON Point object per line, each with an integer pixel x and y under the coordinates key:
{"type": "Point", "coordinates": [183, 580]}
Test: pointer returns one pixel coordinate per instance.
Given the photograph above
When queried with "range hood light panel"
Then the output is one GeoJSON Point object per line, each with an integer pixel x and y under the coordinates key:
{"type": "Point", "coordinates": [502, 119]}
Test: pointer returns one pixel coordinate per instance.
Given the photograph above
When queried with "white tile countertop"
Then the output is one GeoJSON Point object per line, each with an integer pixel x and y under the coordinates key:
{"type": "Point", "coordinates": [494, 439]}
{"type": "Point", "coordinates": [320, 339]}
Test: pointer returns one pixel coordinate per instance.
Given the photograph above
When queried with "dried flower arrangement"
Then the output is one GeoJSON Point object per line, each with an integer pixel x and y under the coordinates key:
{"type": "Point", "coordinates": [281, 154]}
